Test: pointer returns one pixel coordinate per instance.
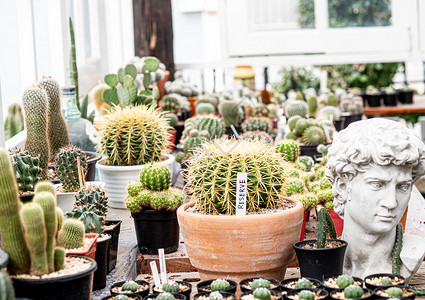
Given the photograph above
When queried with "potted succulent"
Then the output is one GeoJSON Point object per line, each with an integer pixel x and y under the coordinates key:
{"type": "Point", "coordinates": [165, 296]}
{"type": "Point", "coordinates": [341, 282]}
{"type": "Point", "coordinates": [38, 265]}
{"type": "Point", "coordinates": [351, 108]}
{"type": "Point", "coordinates": [299, 283]}
{"type": "Point", "coordinates": [220, 284]}
{"type": "Point", "coordinates": [375, 281]}
{"type": "Point", "coordinates": [373, 96]}
{"type": "Point", "coordinates": [153, 206]}
{"type": "Point", "coordinates": [352, 292]}
{"type": "Point", "coordinates": [306, 294]}
{"type": "Point", "coordinates": [390, 97]}
{"type": "Point", "coordinates": [138, 287]}
{"type": "Point", "coordinates": [131, 137]}
{"type": "Point", "coordinates": [123, 297]}
{"type": "Point", "coordinates": [323, 257]}
{"type": "Point", "coordinates": [405, 95]}
{"type": "Point", "coordinates": [171, 286]}
{"type": "Point", "coordinates": [213, 210]}
{"type": "Point", "coordinates": [215, 295]}
{"type": "Point", "coordinates": [257, 282]}
{"type": "Point", "coordinates": [262, 293]}
{"type": "Point", "coordinates": [396, 292]}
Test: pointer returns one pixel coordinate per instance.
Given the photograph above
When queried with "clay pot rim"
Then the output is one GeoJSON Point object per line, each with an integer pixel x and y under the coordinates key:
{"type": "Point", "coordinates": [183, 210]}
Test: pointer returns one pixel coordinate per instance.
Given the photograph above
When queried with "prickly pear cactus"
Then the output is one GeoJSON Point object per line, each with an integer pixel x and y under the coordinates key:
{"type": "Point", "coordinates": [67, 168]}
{"type": "Point", "coordinates": [155, 177]}
{"type": "Point", "coordinates": [27, 170]}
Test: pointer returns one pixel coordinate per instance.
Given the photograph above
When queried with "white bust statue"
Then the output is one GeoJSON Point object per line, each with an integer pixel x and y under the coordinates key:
{"type": "Point", "coordinates": [372, 165]}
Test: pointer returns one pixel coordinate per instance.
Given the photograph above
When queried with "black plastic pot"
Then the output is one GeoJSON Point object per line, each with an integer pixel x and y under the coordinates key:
{"type": "Point", "coordinates": [339, 125]}
{"type": "Point", "coordinates": [390, 100]}
{"type": "Point", "coordinates": [155, 230]}
{"type": "Point", "coordinates": [177, 296]}
{"type": "Point", "coordinates": [350, 119]}
{"type": "Point", "coordinates": [283, 284]}
{"type": "Point", "coordinates": [373, 100]}
{"type": "Point", "coordinates": [358, 280]}
{"type": "Point", "coordinates": [183, 115]}
{"type": "Point", "coordinates": [179, 131]}
{"type": "Point", "coordinates": [403, 287]}
{"type": "Point", "coordinates": [275, 295]}
{"type": "Point", "coordinates": [228, 131]}
{"type": "Point", "coordinates": [186, 292]}
{"type": "Point", "coordinates": [112, 297]}
{"type": "Point", "coordinates": [392, 276]}
{"type": "Point", "coordinates": [405, 97]}
{"type": "Point", "coordinates": [71, 287]}
{"type": "Point", "coordinates": [320, 263]}
{"type": "Point", "coordinates": [142, 293]}
{"type": "Point", "coordinates": [204, 286]}
{"type": "Point", "coordinates": [319, 293]}
{"type": "Point", "coordinates": [365, 290]}
{"type": "Point", "coordinates": [224, 294]}
{"type": "Point", "coordinates": [245, 288]}
{"type": "Point", "coordinates": [26, 198]}
{"type": "Point", "coordinates": [310, 150]}
{"type": "Point", "coordinates": [4, 259]}
{"type": "Point", "coordinates": [114, 232]}
{"type": "Point", "coordinates": [102, 257]}
{"type": "Point", "coordinates": [92, 159]}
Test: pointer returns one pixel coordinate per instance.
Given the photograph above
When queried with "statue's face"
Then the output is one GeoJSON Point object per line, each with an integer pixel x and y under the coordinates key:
{"type": "Point", "coordinates": [379, 197]}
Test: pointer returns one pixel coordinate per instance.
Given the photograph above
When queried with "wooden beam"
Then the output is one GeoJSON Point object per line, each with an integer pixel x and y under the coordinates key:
{"type": "Point", "coordinates": [153, 31]}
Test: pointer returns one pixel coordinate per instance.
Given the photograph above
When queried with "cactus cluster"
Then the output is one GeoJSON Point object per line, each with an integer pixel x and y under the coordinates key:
{"type": "Point", "coordinates": [289, 149]}
{"type": "Point", "coordinates": [134, 136]}
{"type": "Point", "coordinates": [351, 104]}
{"type": "Point", "coordinates": [122, 87]}
{"type": "Point", "coordinates": [27, 170]}
{"type": "Point", "coordinates": [14, 122]}
{"type": "Point", "coordinates": [170, 104]}
{"type": "Point", "coordinates": [213, 168]}
{"type": "Point", "coordinates": [229, 110]}
{"type": "Point", "coordinates": [68, 161]}
{"type": "Point", "coordinates": [257, 135]}
{"type": "Point", "coordinates": [257, 124]}
{"type": "Point", "coordinates": [306, 131]}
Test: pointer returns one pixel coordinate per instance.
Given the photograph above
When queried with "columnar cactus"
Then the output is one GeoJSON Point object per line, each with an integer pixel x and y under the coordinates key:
{"type": "Point", "coordinates": [312, 105]}
{"type": "Point", "coordinates": [325, 225]}
{"type": "Point", "coordinates": [170, 103]}
{"type": "Point", "coordinates": [332, 100]}
{"type": "Point", "coordinates": [134, 136]}
{"type": "Point", "coordinates": [27, 170]}
{"type": "Point", "coordinates": [229, 110]}
{"type": "Point", "coordinates": [59, 220]}
{"type": "Point", "coordinates": [257, 124]}
{"type": "Point", "coordinates": [67, 168]}
{"type": "Point", "coordinates": [45, 186]}
{"type": "Point", "coordinates": [73, 70]}
{"type": "Point", "coordinates": [155, 177]}
{"type": "Point", "coordinates": [59, 258]}
{"type": "Point", "coordinates": [57, 129]}
{"type": "Point", "coordinates": [14, 122]}
{"type": "Point", "coordinates": [71, 235]}
{"type": "Point", "coordinates": [290, 150]}
{"type": "Point", "coordinates": [35, 103]}
{"type": "Point", "coordinates": [6, 292]}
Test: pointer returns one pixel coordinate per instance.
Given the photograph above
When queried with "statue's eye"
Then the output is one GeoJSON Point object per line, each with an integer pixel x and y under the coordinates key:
{"type": "Point", "coordinates": [404, 187]}
{"type": "Point", "coordinates": [376, 185]}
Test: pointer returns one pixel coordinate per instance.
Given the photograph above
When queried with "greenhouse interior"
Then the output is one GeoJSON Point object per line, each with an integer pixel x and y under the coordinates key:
{"type": "Point", "coordinates": [212, 149]}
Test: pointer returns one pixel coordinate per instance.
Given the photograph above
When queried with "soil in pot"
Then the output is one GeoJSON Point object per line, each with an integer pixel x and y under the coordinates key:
{"type": "Point", "coordinates": [177, 296]}
{"type": "Point", "coordinates": [102, 257]}
{"type": "Point", "coordinates": [290, 283]}
{"type": "Point", "coordinates": [206, 296]}
{"type": "Point", "coordinates": [275, 295]}
{"type": "Point", "coordinates": [155, 230]}
{"type": "Point", "coordinates": [367, 294]}
{"type": "Point", "coordinates": [142, 289]}
{"type": "Point", "coordinates": [185, 288]}
{"type": "Point", "coordinates": [408, 292]}
{"type": "Point", "coordinates": [74, 282]}
{"type": "Point", "coordinates": [378, 280]}
{"type": "Point", "coordinates": [271, 284]}
{"type": "Point", "coordinates": [130, 297]}
{"type": "Point", "coordinates": [331, 284]}
{"type": "Point", "coordinates": [319, 294]}
{"type": "Point", "coordinates": [112, 227]}
{"type": "Point", "coordinates": [205, 286]}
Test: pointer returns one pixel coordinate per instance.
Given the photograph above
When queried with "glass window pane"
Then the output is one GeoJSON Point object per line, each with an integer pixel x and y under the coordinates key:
{"type": "Point", "coordinates": [359, 13]}
{"type": "Point", "coordinates": [306, 14]}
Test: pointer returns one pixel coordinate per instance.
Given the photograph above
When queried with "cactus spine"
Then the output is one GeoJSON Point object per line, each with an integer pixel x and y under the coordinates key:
{"type": "Point", "coordinates": [67, 168]}
{"type": "Point", "coordinates": [325, 225]}
{"type": "Point", "coordinates": [14, 122]}
{"type": "Point", "coordinates": [12, 232]}
{"type": "Point", "coordinates": [36, 237]}
{"type": "Point", "coordinates": [57, 129]}
{"type": "Point", "coordinates": [35, 106]}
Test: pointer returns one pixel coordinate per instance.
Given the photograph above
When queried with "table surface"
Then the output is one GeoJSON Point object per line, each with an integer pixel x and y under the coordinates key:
{"type": "Point", "coordinates": [417, 107]}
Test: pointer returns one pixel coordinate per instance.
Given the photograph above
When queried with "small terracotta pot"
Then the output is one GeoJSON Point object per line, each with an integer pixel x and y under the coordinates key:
{"type": "Point", "coordinates": [192, 102]}
{"type": "Point", "coordinates": [239, 247]}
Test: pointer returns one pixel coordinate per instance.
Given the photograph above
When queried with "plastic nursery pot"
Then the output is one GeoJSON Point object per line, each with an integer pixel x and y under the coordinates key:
{"type": "Point", "coordinates": [245, 284]}
{"type": "Point", "coordinates": [185, 289]}
{"type": "Point", "coordinates": [374, 100]}
{"type": "Point", "coordinates": [143, 291]}
{"type": "Point", "coordinates": [405, 97]}
{"type": "Point", "coordinates": [288, 284]}
{"type": "Point", "coordinates": [339, 124]}
{"type": "Point", "coordinates": [205, 286]}
{"type": "Point", "coordinates": [275, 295]}
{"type": "Point", "coordinates": [320, 263]}
{"type": "Point", "coordinates": [26, 197]}
{"type": "Point", "coordinates": [102, 257]}
{"type": "Point", "coordinates": [113, 228]}
{"type": "Point", "coordinates": [373, 281]}
{"type": "Point", "coordinates": [177, 296]}
{"type": "Point", "coordinates": [92, 159]}
{"type": "Point", "coordinates": [330, 285]}
{"type": "Point", "coordinates": [77, 286]}
{"type": "Point", "coordinates": [319, 294]}
{"type": "Point", "coordinates": [90, 251]}
{"type": "Point", "coordinates": [205, 296]}
{"type": "Point", "coordinates": [130, 296]}
{"type": "Point", "coordinates": [4, 259]}
{"type": "Point", "coordinates": [350, 119]}
{"type": "Point", "coordinates": [390, 100]}
{"type": "Point", "coordinates": [339, 295]}
{"type": "Point", "coordinates": [155, 230]}
{"type": "Point", "coordinates": [408, 292]}
{"type": "Point", "coordinates": [228, 131]}
{"type": "Point", "coordinates": [310, 150]}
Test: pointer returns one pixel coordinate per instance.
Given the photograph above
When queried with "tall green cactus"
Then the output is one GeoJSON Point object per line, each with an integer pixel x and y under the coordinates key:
{"type": "Point", "coordinates": [325, 225]}
{"type": "Point", "coordinates": [57, 129]}
{"type": "Point", "coordinates": [14, 122]}
{"type": "Point", "coordinates": [229, 110]}
{"type": "Point", "coordinates": [37, 142]}
{"type": "Point", "coordinates": [67, 168]}
{"type": "Point", "coordinates": [59, 220]}
{"type": "Point", "coordinates": [47, 201]}
{"type": "Point", "coordinates": [12, 232]}
{"type": "Point", "coordinates": [397, 249]}
{"type": "Point", "coordinates": [312, 105]}
{"type": "Point", "coordinates": [35, 236]}
{"type": "Point", "coordinates": [73, 63]}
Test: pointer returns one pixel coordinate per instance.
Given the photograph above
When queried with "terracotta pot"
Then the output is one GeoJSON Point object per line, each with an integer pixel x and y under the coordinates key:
{"type": "Point", "coordinates": [161, 85]}
{"type": "Point", "coordinates": [239, 247]}
{"type": "Point", "coordinates": [192, 102]}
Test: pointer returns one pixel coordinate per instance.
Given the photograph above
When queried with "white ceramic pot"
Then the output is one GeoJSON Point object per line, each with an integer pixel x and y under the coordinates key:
{"type": "Point", "coordinates": [116, 179]}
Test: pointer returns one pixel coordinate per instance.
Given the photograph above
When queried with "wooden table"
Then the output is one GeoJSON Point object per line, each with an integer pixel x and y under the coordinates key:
{"type": "Point", "coordinates": [417, 107]}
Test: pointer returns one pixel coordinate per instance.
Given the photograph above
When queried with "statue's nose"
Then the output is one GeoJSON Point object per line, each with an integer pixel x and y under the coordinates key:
{"type": "Point", "coordinates": [390, 199]}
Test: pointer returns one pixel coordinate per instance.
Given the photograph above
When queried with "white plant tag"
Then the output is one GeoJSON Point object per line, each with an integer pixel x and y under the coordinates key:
{"type": "Point", "coordinates": [162, 266]}
{"type": "Point", "coordinates": [241, 189]}
{"type": "Point", "coordinates": [155, 274]}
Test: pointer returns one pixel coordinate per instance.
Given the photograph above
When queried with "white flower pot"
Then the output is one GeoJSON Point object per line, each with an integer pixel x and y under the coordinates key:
{"type": "Point", "coordinates": [116, 179]}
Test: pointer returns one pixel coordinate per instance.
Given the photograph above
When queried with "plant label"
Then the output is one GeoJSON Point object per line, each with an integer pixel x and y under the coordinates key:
{"type": "Point", "coordinates": [241, 189]}
{"type": "Point", "coordinates": [155, 274]}
{"type": "Point", "coordinates": [162, 266]}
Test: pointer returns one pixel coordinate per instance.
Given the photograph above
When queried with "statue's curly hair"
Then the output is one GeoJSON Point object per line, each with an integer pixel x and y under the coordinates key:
{"type": "Point", "coordinates": [374, 141]}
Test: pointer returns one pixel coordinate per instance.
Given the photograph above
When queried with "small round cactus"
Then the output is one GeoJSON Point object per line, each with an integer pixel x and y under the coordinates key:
{"type": "Point", "coordinates": [155, 177]}
{"type": "Point", "coordinates": [385, 281]}
{"type": "Point", "coordinates": [121, 297]}
{"type": "Point", "coordinates": [353, 292]}
{"type": "Point", "coordinates": [130, 286]}
{"type": "Point", "coordinates": [260, 283]}
{"type": "Point", "coordinates": [306, 295]}
{"type": "Point", "coordinates": [165, 296]}
{"type": "Point", "coordinates": [220, 285]}
{"type": "Point", "coordinates": [72, 234]}
{"type": "Point", "coordinates": [303, 283]}
{"type": "Point", "coordinates": [215, 296]}
{"type": "Point", "coordinates": [394, 292]}
{"type": "Point", "coordinates": [290, 150]}
{"type": "Point", "coordinates": [132, 203]}
{"type": "Point", "coordinates": [134, 188]}
{"type": "Point", "coordinates": [344, 280]}
{"type": "Point", "coordinates": [171, 287]}
{"type": "Point", "coordinates": [262, 294]}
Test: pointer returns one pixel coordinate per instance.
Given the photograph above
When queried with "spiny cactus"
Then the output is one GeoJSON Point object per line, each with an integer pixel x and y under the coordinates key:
{"type": "Point", "coordinates": [312, 105]}
{"type": "Point", "coordinates": [71, 235]}
{"type": "Point", "coordinates": [57, 129]}
{"type": "Point", "coordinates": [212, 124]}
{"type": "Point", "coordinates": [27, 170]}
{"type": "Point", "coordinates": [329, 112]}
{"type": "Point", "coordinates": [261, 111]}
{"type": "Point", "coordinates": [309, 200]}
{"type": "Point", "coordinates": [266, 171]}
{"type": "Point", "coordinates": [325, 225]}
{"type": "Point", "coordinates": [296, 107]}
{"type": "Point", "coordinates": [92, 197]}
{"type": "Point", "coordinates": [92, 221]}
{"type": "Point", "coordinates": [207, 99]}
{"type": "Point", "coordinates": [397, 249]}
{"type": "Point", "coordinates": [169, 199]}
{"type": "Point", "coordinates": [324, 196]}
{"type": "Point", "coordinates": [260, 283]}
{"type": "Point", "coordinates": [229, 110]}
{"type": "Point", "coordinates": [170, 103]}
{"type": "Point", "coordinates": [59, 257]}
{"type": "Point", "coordinates": [344, 280]}
{"type": "Point", "coordinates": [165, 296]}
{"type": "Point", "coordinates": [306, 295]}
{"type": "Point", "coordinates": [215, 296]}
{"type": "Point", "coordinates": [35, 103]}
{"type": "Point", "coordinates": [6, 291]}
{"type": "Point", "coordinates": [257, 124]}
{"type": "Point", "coordinates": [172, 119]}
{"type": "Point", "coordinates": [301, 125]}
{"type": "Point", "coordinates": [59, 220]}
{"type": "Point", "coordinates": [14, 122]}
{"type": "Point", "coordinates": [134, 136]}
{"type": "Point", "coordinates": [292, 121]}
{"type": "Point", "coordinates": [67, 168]}
{"type": "Point", "coordinates": [220, 285]}
{"type": "Point", "coordinates": [394, 291]}
{"type": "Point", "coordinates": [45, 186]}
{"type": "Point", "coordinates": [257, 135]}
{"type": "Point", "coordinates": [295, 186]}
{"type": "Point", "coordinates": [12, 231]}
{"type": "Point", "coordinates": [303, 283]}
{"type": "Point", "coordinates": [290, 150]}
{"type": "Point", "coordinates": [73, 63]}
{"type": "Point", "coordinates": [353, 292]}
{"type": "Point", "coordinates": [332, 100]}
{"type": "Point", "coordinates": [35, 236]}
{"type": "Point", "coordinates": [171, 287]}
{"type": "Point", "coordinates": [134, 188]}
{"type": "Point", "coordinates": [205, 109]}
{"type": "Point", "coordinates": [193, 143]}
{"type": "Point", "coordinates": [314, 135]}
{"type": "Point", "coordinates": [130, 286]}
{"type": "Point", "coordinates": [155, 177]}
{"type": "Point", "coordinates": [305, 163]}
{"type": "Point", "coordinates": [261, 293]}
